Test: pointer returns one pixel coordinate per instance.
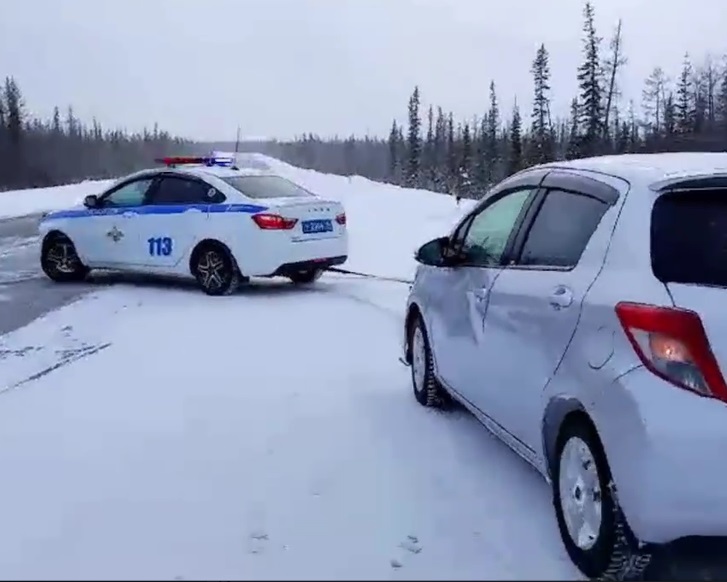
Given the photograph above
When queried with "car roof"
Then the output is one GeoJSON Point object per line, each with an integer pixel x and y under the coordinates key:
{"type": "Point", "coordinates": [217, 171]}
{"type": "Point", "coordinates": [200, 171]}
{"type": "Point", "coordinates": [655, 170]}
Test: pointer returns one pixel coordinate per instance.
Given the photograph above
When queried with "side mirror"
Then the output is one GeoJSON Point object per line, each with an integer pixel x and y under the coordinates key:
{"type": "Point", "coordinates": [90, 201]}
{"type": "Point", "coordinates": [433, 252]}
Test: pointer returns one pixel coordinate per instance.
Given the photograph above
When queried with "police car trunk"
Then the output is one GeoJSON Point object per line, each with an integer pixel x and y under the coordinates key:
{"type": "Point", "coordinates": [304, 230]}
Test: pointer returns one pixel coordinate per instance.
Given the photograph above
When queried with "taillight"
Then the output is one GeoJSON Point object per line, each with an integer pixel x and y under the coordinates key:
{"type": "Point", "coordinates": [274, 221]}
{"type": "Point", "coordinates": [341, 219]}
{"type": "Point", "coordinates": [673, 344]}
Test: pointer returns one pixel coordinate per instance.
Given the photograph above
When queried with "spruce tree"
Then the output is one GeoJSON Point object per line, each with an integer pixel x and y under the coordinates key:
{"type": "Point", "coordinates": [14, 111]}
{"type": "Point", "coordinates": [428, 162]}
{"type": "Point", "coordinates": [481, 165]}
{"type": "Point", "coordinates": [394, 161]}
{"type": "Point", "coordinates": [465, 162]}
{"type": "Point", "coordinates": [574, 132]}
{"type": "Point", "coordinates": [414, 141]}
{"type": "Point", "coordinates": [590, 83]}
{"type": "Point", "coordinates": [440, 150]}
{"type": "Point", "coordinates": [515, 159]}
{"type": "Point", "coordinates": [541, 139]}
{"type": "Point", "coordinates": [685, 107]}
{"type": "Point", "coordinates": [493, 130]}
{"type": "Point", "coordinates": [451, 179]}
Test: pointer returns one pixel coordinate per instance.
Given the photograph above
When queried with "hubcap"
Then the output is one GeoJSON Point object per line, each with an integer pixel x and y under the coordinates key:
{"type": "Point", "coordinates": [580, 493]}
{"type": "Point", "coordinates": [211, 269]}
{"type": "Point", "coordinates": [62, 257]}
{"type": "Point", "coordinates": [419, 358]}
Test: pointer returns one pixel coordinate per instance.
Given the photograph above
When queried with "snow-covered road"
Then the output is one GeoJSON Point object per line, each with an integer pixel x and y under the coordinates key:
{"type": "Point", "coordinates": [269, 434]}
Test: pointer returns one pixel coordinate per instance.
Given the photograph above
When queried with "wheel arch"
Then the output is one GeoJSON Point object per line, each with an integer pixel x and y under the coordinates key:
{"type": "Point", "coordinates": [52, 234]}
{"type": "Point", "coordinates": [209, 242]}
{"type": "Point", "coordinates": [559, 413]}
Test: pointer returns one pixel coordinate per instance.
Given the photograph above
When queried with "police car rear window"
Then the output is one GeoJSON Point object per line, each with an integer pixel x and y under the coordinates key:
{"type": "Point", "coordinates": [689, 237]}
{"type": "Point", "coordinates": [266, 187]}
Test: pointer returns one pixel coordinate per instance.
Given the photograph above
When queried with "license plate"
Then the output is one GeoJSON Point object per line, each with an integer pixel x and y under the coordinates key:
{"type": "Point", "coordinates": [316, 226]}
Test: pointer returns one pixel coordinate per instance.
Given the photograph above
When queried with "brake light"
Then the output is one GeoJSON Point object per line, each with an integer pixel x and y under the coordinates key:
{"type": "Point", "coordinates": [274, 221]}
{"type": "Point", "coordinates": [341, 219]}
{"type": "Point", "coordinates": [672, 344]}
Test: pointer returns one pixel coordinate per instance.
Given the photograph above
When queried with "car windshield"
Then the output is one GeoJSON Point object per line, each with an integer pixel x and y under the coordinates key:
{"type": "Point", "coordinates": [266, 187]}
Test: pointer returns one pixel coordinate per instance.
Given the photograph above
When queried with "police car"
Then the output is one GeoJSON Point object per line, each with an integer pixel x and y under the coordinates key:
{"type": "Point", "coordinates": [199, 217]}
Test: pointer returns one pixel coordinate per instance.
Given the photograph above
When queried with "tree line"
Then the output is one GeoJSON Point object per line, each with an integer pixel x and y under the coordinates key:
{"type": "Point", "coordinates": [432, 150]}
{"type": "Point", "coordinates": [44, 152]}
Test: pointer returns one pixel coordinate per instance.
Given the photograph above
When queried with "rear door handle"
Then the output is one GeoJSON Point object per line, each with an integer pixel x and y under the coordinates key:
{"type": "Point", "coordinates": [561, 297]}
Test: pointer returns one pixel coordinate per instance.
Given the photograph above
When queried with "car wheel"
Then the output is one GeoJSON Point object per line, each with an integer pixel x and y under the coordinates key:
{"type": "Point", "coordinates": [428, 391]}
{"type": "Point", "coordinates": [592, 526]}
{"type": "Point", "coordinates": [60, 261]}
{"type": "Point", "coordinates": [306, 277]}
{"type": "Point", "coordinates": [215, 270]}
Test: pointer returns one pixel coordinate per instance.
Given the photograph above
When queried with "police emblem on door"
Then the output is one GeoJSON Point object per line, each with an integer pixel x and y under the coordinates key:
{"type": "Point", "coordinates": [115, 234]}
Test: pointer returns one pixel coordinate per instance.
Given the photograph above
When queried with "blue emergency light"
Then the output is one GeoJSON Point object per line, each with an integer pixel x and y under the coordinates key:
{"type": "Point", "coordinates": [220, 160]}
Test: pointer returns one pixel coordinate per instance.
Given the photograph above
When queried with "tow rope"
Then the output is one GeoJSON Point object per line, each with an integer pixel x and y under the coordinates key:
{"type": "Point", "coordinates": [369, 275]}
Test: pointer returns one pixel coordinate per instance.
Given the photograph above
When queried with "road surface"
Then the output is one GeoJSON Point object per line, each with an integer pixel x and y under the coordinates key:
{"type": "Point", "coordinates": [25, 293]}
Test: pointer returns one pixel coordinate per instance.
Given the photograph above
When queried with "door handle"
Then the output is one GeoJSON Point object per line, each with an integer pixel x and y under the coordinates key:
{"type": "Point", "coordinates": [561, 297]}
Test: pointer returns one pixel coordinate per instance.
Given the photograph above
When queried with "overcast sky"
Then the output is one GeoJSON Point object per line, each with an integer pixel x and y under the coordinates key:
{"type": "Point", "coordinates": [282, 67]}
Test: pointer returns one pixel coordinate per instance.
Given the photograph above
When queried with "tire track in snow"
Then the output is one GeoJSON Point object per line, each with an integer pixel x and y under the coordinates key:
{"type": "Point", "coordinates": [80, 354]}
{"type": "Point", "coordinates": [379, 295]}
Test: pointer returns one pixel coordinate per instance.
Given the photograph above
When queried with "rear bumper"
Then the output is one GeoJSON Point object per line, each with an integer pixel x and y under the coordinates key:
{"type": "Point", "coordinates": [288, 269]}
{"type": "Point", "coordinates": [274, 254]}
{"type": "Point", "coordinates": [666, 449]}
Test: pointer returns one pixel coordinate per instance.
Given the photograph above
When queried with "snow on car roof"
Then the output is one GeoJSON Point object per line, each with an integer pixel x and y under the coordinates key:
{"type": "Point", "coordinates": [651, 168]}
{"type": "Point", "coordinates": [221, 171]}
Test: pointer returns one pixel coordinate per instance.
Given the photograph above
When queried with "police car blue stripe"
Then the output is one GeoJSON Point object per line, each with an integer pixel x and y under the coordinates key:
{"type": "Point", "coordinates": [152, 209]}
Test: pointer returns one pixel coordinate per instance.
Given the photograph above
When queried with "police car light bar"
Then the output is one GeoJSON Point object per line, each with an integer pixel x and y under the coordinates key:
{"type": "Point", "coordinates": [172, 161]}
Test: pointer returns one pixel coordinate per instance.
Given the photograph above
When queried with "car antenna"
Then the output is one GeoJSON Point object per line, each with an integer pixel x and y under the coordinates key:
{"type": "Point", "coordinates": [237, 149]}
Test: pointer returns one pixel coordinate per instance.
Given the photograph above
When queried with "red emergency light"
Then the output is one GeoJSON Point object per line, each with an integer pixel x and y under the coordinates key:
{"type": "Point", "coordinates": [171, 161]}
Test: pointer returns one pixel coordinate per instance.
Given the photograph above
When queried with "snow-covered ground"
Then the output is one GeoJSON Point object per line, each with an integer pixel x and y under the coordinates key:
{"type": "Point", "coordinates": [21, 202]}
{"type": "Point", "coordinates": [149, 432]}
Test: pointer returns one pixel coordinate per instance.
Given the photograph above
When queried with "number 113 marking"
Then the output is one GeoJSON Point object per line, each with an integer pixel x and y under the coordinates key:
{"type": "Point", "coordinates": [160, 246]}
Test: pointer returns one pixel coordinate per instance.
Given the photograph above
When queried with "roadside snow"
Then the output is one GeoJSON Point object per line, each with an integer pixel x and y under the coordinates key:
{"type": "Point", "coordinates": [23, 202]}
{"type": "Point", "coordinates": [268, 435]}
{"type": "Point", "coordinates": [387, 223]}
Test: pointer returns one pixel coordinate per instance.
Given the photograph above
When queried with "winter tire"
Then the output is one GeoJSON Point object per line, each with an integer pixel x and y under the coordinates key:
{"type": "Point", "coordinates": [215, 270]}
{"type": "Point", "coordinates": [59, 260]}
{"type": "Point", "coordinates": [428, 391]}
{"type": "Point", "coordinates": [306, 277]}
{"type": "Point", "coordinates": [592, 526]}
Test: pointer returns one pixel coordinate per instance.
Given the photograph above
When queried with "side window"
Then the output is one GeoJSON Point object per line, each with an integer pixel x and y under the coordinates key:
{"type": "Point", "coordinates": [561, 230]}
{"type": "Point", "coordinates": [131, 194]}
{"type": "Point", "coordinates": [179, 190]}
{"type": "Point", "coordinates": [458, 236]}
{"type": "Point", "coordinates": [485, 241]}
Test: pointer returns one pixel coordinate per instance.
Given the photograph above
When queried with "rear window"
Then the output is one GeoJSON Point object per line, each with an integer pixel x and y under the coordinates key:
{"type": "Point", "coordinates": [689, 238]}
{"type": "Point", "coordinates": [266, 187]}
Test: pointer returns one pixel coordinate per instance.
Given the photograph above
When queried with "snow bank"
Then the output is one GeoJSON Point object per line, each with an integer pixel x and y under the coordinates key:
{"type": "Point", "coordinates": [15, 203]}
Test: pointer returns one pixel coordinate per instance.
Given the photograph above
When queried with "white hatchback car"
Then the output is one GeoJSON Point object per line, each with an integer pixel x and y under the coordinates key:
{"type": "Point", "coordinates": [200, 217]}
{"type": "Point", "coordinates": [578, 312]}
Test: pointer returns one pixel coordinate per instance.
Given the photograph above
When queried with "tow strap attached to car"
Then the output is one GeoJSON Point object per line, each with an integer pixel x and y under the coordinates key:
{"type": "Point", "coordinates": [369, 275]}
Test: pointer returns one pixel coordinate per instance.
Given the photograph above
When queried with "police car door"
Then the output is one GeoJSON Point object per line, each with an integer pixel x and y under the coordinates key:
{"type": "Point", "coordinates": [173, 216]}
{"type": "Point", "coordinates": [103, 237]}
